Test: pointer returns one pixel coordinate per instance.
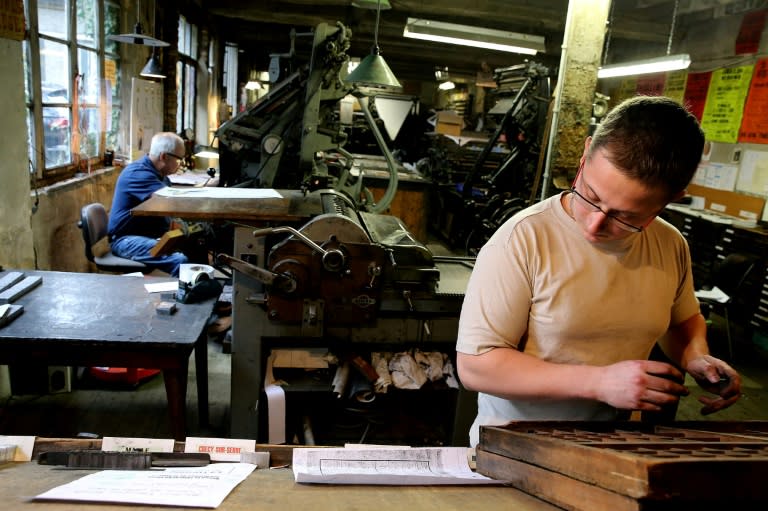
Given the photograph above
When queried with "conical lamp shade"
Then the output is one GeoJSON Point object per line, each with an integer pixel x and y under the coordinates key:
{"type": "Point", "coordinates": [153, 69]}
{"type": "Point", "coordinates": [373, 71]}
{"type": "Point", "coordinates": [137, 37]}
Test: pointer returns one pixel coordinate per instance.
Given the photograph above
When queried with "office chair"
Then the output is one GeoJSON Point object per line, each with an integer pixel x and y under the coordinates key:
{"type": "Point", "coordinates": [93, 223]}
{"type": "Point", "coordinates": [729, 276]}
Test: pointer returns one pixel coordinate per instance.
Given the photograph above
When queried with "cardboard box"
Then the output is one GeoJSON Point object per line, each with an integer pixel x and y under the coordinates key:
{"type": "Point", "coordinates": [449, 123]}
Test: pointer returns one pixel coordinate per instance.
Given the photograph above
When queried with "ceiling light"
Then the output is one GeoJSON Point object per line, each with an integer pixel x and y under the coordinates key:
{"type": "Point", "coordinates": [137, 36]}
{"type": "Point", "coordinates": [253, 85]}
{"type": "Point", "coordinates": [447, 85]}
{"type": "Point", "coordinates": [478, 37]}
{"type": "Point", "coordinates": [152, 69]}
{"type": "Point", "coordinates": [640, 67]}
{"type": "Point", "coordinates": [373, 71]}
{"type": "Point", "coordinates": [371, 4]}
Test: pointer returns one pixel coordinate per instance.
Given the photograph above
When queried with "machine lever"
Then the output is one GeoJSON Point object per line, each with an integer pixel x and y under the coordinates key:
{"type": "Point", "coordinates": [280, 281]}
{"type": "Point", "coordinates": [333, 260]}
{"type": "Point", "coordinates": [269, 230]}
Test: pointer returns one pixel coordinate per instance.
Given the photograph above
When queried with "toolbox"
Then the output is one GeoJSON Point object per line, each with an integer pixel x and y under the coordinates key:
{"type": "Point", "coordinates": [631, 465]}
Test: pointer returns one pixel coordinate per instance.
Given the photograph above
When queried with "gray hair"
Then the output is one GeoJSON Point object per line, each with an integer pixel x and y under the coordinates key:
{"type": "Point", "coordinates": [164, 142]}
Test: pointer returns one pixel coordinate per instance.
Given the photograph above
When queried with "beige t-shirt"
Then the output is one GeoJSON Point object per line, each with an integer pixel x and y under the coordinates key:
{"type": "Point", "coordinates": [540, 287]}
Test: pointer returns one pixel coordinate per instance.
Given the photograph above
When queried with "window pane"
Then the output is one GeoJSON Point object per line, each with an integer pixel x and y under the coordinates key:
{"type": "Point", "coordinates": [179, 97]}
{"type": "Point", "coordinates": [87, 23]}
{"type": "Point", "coordinates": [88, 64]}
{"type": "Point", "coordinates": [111, 26]}
{"type": "Point", "coordinates": [89, 132]}
{"type": "Point", "coordinates": [56, 128]}
{"type": "Point", "coordinates": [189, 97]}
{"type": "Point", "coordinates": [52, 18]}
{"type": "Point", "coordinates": [54, 72]}
{"type": "Point", "coordinates": [112, 127]}
{"type": "Point", "coordinates": [27, 73]}
{"type": "Point", "coordinates": [31, 136]}
{"type": "Point", "coordinates": [193, 41]}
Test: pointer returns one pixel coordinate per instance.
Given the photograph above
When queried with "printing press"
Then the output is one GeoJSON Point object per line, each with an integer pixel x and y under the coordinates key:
{"type": "Point", "coordinates": [338, 290]}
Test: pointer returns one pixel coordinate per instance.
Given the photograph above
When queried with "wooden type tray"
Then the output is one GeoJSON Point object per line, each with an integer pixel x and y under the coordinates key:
{"type": "Point", "coordinates": [631, 465]}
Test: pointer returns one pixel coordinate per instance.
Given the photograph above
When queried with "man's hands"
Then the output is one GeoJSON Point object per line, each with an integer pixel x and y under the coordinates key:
{"type": "Point", "coordinates": [641, 385]}
{"type": "Point", "coordinates": [649, 385]}
{"type": "Point", "coordinates": [716, 377]}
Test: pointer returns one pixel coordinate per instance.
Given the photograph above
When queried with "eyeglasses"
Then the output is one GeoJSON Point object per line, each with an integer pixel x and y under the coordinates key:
{"type": "Point", "coordinates": [175, 156]}
{"type": "Point", "coordinates": [588, 204]}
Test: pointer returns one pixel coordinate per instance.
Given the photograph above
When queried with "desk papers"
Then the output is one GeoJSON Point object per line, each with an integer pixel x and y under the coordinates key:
{"type": "Point", "coordinates": [215, 192]}
{"type": "Point", "coordinates": [186, 487]}
{"type": "Point", "coordinates": [386, 466]}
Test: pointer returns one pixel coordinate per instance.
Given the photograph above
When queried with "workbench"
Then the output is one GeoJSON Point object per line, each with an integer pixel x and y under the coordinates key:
{"type": "Point", "coordinates": [99, 320]}
{"type": "Point", "coordinates": [274, 489]}
{"type": "Point", "coordinates": [292, 206]}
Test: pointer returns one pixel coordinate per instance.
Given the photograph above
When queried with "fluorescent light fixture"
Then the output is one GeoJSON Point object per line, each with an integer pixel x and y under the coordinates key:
{"type": "Point", "coordinates": [371, 4]}
{"type": "Point", "coordinates": [447, 85]}
{"type": "Point", "coordinates": [641, 67]}
{"type": "Point", "coordinates": [465, 35]}
{"type": "Point", "coordinates": [253, 85]}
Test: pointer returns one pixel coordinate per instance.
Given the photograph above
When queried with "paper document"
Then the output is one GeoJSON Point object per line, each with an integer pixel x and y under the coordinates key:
{"type": "Point", "coordinates": [386, 466]}
{"type": "Point", "coordinates": [215, 192]}
{"type": "Point", "coordinates": [185, 487]}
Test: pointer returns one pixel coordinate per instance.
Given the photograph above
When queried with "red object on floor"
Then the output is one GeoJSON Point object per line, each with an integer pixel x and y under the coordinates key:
{"type": "Point", "coordinates": [129, 375]}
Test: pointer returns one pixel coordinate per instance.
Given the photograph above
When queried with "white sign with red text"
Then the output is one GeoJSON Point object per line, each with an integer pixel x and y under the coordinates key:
{"type": "Point", "coordinates": [220, 449]}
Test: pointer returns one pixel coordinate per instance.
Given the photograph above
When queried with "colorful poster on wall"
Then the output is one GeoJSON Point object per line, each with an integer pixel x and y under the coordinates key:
{"type": "Point", "coordinates": [695, 96]}
{"type": "Point", "coordinates": [651, 85]}
{"type": "Point", "coordinates": [750, 32]}
{"type": "Point", "coordinates": [12, 19]}
{"type": "Point", "coordinates": [674, 86]}
{"type": "Point", "coordinates": [725, 103]}
{"type": "Point", "coordinates": [624, 91]}
{"type": "Point", "coordinates": [754, 126]}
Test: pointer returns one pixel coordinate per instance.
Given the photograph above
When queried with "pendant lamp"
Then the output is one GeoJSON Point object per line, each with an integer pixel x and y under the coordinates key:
{"type": "Point", "coordinates": [373, 71]}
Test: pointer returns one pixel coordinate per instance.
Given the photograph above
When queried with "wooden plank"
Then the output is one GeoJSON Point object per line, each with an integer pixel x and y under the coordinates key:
{"type": "Point", "coordinates": [560, 490]}
{"type": "Point", "coordinates": [20, 289]}
{"type": "Point", "coordinates": [9, 279]}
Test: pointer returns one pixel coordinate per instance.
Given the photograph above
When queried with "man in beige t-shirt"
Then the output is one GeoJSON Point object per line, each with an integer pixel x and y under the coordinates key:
{"type": "Point", "coordinates": [569, 296]}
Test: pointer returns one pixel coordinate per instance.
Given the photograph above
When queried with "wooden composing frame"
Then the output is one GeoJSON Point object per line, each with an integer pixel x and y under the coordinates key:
{"type": "Point", "coordinates": [631, 465]}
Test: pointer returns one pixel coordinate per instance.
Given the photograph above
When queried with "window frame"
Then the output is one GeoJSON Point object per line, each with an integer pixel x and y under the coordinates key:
{"type": "Point", "coordinates": [186, 76]}
{"type": "Point", "coordinates": [41, 172]}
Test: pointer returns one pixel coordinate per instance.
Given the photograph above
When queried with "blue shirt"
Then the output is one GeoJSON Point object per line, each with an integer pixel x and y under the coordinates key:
{"type": "Point", "coordinates": [136, 183]}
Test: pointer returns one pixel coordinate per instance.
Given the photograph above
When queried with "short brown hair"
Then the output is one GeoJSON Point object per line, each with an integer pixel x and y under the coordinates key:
{"type": "Point", "coordinates": [652, 139]}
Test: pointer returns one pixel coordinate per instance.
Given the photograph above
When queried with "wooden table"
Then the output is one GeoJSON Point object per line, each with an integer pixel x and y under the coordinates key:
{"type": "Point", "coordinates": [274, 489]}
{"type": "Point", "coordinates": [293, 206]}
{"type": "Point", "coordinates": [97, 320]}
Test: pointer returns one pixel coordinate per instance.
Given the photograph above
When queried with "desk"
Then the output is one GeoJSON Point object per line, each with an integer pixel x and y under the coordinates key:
{"type": "Point", "coordinates": [86, 319]}
{"type": "Point", "coordinates": [269, 490]}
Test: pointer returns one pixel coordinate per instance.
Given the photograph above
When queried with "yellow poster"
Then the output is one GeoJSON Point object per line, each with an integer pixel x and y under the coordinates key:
{"type": "Point", "coordinates": [12, 19]}
{"type": "Point", "coordinates": [674, 86]}
{"type": "Point", "coordinates": [725, 103]}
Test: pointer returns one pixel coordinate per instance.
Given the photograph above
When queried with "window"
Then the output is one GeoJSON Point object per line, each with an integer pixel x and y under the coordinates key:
{"type": "Point", "coordinates": [186, 77]}
{"type": "Point", "coordinates": [71, 84]}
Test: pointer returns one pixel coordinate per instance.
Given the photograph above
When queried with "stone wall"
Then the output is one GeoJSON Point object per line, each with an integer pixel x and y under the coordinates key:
{"type": "Point", "coordinates": [58, 242]}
